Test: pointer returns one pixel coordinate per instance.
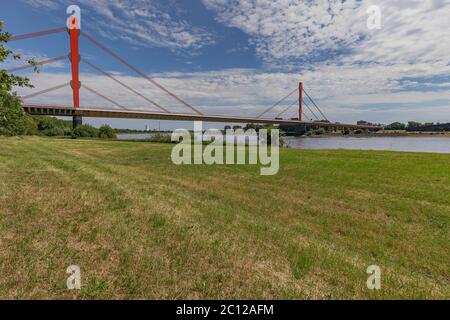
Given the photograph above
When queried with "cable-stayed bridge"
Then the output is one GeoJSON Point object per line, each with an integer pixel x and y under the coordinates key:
{"type": "Point", "coordinates": [307, 112]}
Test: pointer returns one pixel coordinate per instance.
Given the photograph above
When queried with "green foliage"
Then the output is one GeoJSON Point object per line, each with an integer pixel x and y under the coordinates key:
{"type": "Point", "coordinates": [88, 131]}
{"type": "Point", "coordinates": [58, 132]}
{"type": "Point", "coordinates": [413, 125]}
{"type": "Point", "coordinates": [106, 132]}
{"type": "Point", "coordinates": [161, 138]}
{"type": "Point", "coordinates": [301, 260]}
{"type": "Point", "coordinates": [53, 127]}
{"type": "Point", "coordinates": [395, 126]}
{"type": "Point", "coordinates": [316, 132]}
{"type": "Point", "coordinates": [345, 131]}
{"type": "Point", "coordinates": [320, 131]}
{"type": "Point", "coordinates": [85, 131]}
{"type": "Point", "coordinates": [13, 120]}
{"type": "Point", "coordinates": [7, 81]}
{"type": "Point", "coordinates": [430, 127]}
{"type": "Point", "coordinates": [269, 129]}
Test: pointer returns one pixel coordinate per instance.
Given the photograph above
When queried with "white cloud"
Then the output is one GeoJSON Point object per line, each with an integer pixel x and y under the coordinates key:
{"type": "Point", "coordinates": [26, 55]}
{"type": "Point", "coordinates": [140, 22]}
{"type": "Point", "coordinates": [291, 29]}
{"type": "Point", "coordinates": [43, 3]}
{"type": "Point", "coordinates": [411, 30]}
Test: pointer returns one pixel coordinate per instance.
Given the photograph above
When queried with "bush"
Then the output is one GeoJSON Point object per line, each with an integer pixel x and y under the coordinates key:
{"type": "Point", "coordinates": [57, 132]}
{"type": "Point", "coordinates": [53, 127]}
{"type": "Point", "coordinates": [85, 131]}
{"type": "Point", "coordinates": [412, 126]}
{"type": "Point", "coordinates": [316, 132]}
{"type": "Point", "coordinates": [320, 131]}
{"type": "Point", "coordinates": [395, 126]}
{"type": "Point", "coordinates": [106, 132]}
{"type": "Point", "coordinates": [13, 119]}
{"type": "Point", "coordinates": [162, 138]}
{"type": "Point", "coordinates": [46, 122]}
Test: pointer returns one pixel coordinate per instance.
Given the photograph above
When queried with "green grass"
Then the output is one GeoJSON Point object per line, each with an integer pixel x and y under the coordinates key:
{"type": "Point", "coordinates": [140, 227]}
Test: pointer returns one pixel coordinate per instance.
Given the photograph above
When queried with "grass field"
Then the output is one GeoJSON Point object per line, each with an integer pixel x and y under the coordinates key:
{"type": "Point", "coordinates": [141, 227]}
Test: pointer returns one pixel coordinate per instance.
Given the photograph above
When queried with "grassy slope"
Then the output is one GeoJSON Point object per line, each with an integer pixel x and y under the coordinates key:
{"type": "Point", "coordinates": [140, 227]}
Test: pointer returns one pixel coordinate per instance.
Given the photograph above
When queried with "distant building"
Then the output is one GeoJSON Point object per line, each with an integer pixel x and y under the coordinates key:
{"type": "Point", "coordinates": [363, 123]}
{"type": "Point", "coordinates": [147, 127]}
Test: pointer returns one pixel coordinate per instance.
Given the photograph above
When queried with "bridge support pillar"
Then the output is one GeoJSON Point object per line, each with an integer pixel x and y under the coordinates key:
{"type": "Point", "coordinates": [300, 101]}
{"type": "Point", "coordinates": [77, 121]}
{"type": "Point", "coordinates": [74, 32]}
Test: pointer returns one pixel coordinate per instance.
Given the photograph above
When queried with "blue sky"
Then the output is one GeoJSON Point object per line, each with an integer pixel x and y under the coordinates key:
{"type": "Point", "coordinates": [239, 57]}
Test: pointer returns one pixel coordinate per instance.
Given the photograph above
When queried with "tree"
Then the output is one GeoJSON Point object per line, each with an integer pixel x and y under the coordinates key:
{"type": "Point", "coordinates": [412, 125]}
{"type": "Point", "coordinates": [395, 126]}
{"type": "Point", "coordinates": [106, 132]}
{"type": "Point", "coordinates": [85, 131]}
{"type": "Point", "coordinates": [13, 120]}
{"type": "Point", "coordinates": [51, 126]}
{"type": "Point", "coordinates": [7, 81]}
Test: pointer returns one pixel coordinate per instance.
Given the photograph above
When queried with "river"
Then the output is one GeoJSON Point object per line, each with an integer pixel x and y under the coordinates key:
{"type": "Point", "coordinates": [405, 144]}
{"type": "Point", "coordinates": [134, 136]}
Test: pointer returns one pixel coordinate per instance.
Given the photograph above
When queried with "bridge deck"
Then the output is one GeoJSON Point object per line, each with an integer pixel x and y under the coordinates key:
{"type": "Point", "coordinates": [133, 114]}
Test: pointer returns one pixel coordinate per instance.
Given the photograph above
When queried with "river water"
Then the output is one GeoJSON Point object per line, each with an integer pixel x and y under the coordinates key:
{"type": "Point", "coordinates": [406, 144]}
{"type": "Point", "coordinates": [134, 136]}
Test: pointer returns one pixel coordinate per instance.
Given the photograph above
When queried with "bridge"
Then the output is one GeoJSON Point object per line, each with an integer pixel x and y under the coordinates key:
{"type": "Point", "coordinates": [52, 110]}
{"type": "Point", "coordinates": [307, 113]}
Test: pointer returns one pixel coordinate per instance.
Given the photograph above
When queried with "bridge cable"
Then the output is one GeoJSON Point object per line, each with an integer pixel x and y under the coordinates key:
{"type": "Point", "coordinates": [276, 104]}
{"type": "Point", "coordinates": [40, 63]}
{"type": "Point", "coordinates": [44, 91]}
{"type": "Point", "coordinates": [293, 115]}
{"type": "Point", "coordinates": [124, 85]}
{"type": "Point", "coordinates": [295, 102]}
{"type": "Point", "coordinates": [312, 112]}
{"type": "Point", "coordinates": [104, 97]}
{"type": "Point", "coordinates": [315, 105]}
{"type": "Point", "coordinates": [36, 34]}
{"type": "Point", "coordinates": [114, 55]}
{"type": "Point", "coordinates": [306, 117]}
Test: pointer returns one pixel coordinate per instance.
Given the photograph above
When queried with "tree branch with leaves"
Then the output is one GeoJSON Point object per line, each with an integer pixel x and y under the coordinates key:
{"type": "Point", "coordinates": [13, 119]}
{"type": "Point", "coordinates": [8, 81]}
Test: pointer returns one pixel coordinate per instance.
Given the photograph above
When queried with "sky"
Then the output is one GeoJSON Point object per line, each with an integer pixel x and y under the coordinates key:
{"type": "Point", "coordinates": [236, 57]}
